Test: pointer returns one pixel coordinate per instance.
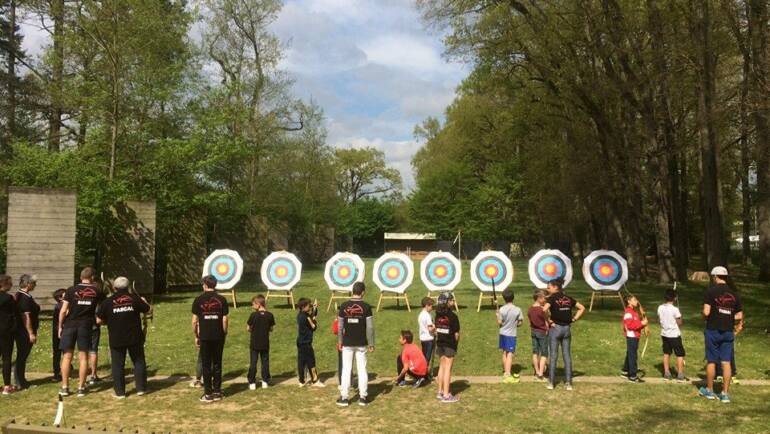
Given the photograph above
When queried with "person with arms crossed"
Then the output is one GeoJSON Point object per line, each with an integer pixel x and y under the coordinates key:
{"type": "Point", "coordinates": [355, 338]}
{"type": "Point", "coordinates": [209, 326]}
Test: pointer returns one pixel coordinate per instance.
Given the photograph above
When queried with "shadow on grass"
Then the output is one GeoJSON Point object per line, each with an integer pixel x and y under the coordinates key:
{"type": "Point", "coordinates": [235, 388]}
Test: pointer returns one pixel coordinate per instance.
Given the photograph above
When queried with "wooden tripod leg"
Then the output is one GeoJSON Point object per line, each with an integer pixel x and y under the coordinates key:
{"type": "Point", "coordinates": [379, 302]}
{"type": "Point", "coordinates": [291, 299]}
{"type": "Point", "coordinates": [457, 302]}
{"type": "Point", "coordinates": [235, 302]}
{"type": "Point", "coordinates": [406, 299]}
{"type": "Point", "coordinates": [331, 299]}
{"type": "Point", "coordinates": [481, 295]}
{"type": "Point", "coordinates": [591, 306]}
{"type": "Point", "coordinates": [622, 303]}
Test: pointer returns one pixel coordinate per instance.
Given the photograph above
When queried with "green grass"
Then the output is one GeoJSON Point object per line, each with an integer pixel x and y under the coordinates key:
{"type": "Point", "coordinates": [598, 345]}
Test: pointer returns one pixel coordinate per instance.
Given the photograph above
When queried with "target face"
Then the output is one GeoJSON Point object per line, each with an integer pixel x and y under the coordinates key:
{"type": "Point", "coordinates": [440, 271]}
{"type": "Point", "coordinates": [393, 272]}
{"type": "Point", "coordinates": [605, 270]}
{"type": "Point", "coordinates": [226, 266]}
{"type": "Point", "coordinates": [343, 270]}
{"type": "Point", "coordinates": [281, 271]}
{"type": "Point", "coordinates": [548, 265]}
{"type": "Point", "coordinates": [491, 267]}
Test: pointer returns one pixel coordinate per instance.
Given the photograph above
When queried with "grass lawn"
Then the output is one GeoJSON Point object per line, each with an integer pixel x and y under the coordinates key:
{"type": "Point", "coordinates": [598, 349]}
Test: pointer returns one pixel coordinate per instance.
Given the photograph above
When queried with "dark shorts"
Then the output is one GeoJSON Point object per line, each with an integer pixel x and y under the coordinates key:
{"type": "Point", "coordinates": [540, 344]}
{"type": "Point", "coordinates": [79, 334]}
{"type": "Point", "coordinates": [673, 345]}
{"type": "Point", "coordinates": [507, 343]}
{"type": "Point", "coordinates": [96, 334]}
{"type": "Point", "coordinates": [719, 345]}
{"type": "Point", "coordinates": [445, 352]}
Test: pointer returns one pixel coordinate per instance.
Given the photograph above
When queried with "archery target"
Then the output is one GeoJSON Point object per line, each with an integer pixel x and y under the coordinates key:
{"type": "Point", "coordinates": [226, 266]}
{"type": "Point", "coordinates": [343, 270]}
{"type": "Point", "coordinates": [548, 265]}
{"type": "Point", "coordinates": [281, 271]}
{"type": "Point", "coordinates": [440, 271]}
{"type": "Point", "coordinates": [393, 272]}
{"type": "Point", "coordinates": [605, 270]}
{"type": "Point", "coordinates": [490, 267]}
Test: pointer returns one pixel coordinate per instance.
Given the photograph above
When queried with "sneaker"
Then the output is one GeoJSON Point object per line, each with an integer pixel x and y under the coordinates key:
{"type": "Point", "coordinates": [264, 385]}
{"type": "Point", "coordinates": [118, 396]}
{"type": "Point", "coordinates": [623, 373]}
{"type": "Point", "coordinates": [724, 398]}
{"type": "Point", "coordinates": [516, 375]}
{"type": "Point", "coordinates": [439, 396]}
{"type": "Point", "coordinates": [93, 380]}
{"type": "Point", "coordinates": [140, 393]}
{"type": "Point", "coordinates": [252, 386]}
{"type": "Point", "coordinates": [667, 376]}
{"type": "Point", "coordinates": [56, 378]}
{"type": "Point", "coordinates": [568, 386]}
{"type": "Point", "coordinates": [343, 402]}
{"type": "Point", "coordinates": [217, 396]}
{"type": "Point", "coordinates": [419, 382]}
{"type": "Point", "coordinates": [81, 392]}
{"type": "Point", "coordinates": [507, 379]}
{"type": "Point", "coordinates": [402, 383]}
{"type": "Point", "coordinates": [450, 398]}
{"type": "Point", "coordinates": [635, 380]}
{"type": "Point", "coordinates": [301, 384]}
{"type": "Point", "coordinates": [363, 401]}
{"type": "Point", "coordinates": [7, 390]}
{"type": "Point", "coordinates": [206, 399]}
{"type": "Point", "coordinates": [682, 379]}
{"type": "Point", "coordinates": [318, 383]}
{"type": "Point", "coordinates": [707, 393]}
{"type": "Point", "coordinates": [64, 391]}
{"type": "Point", "coordinates": [196, 384]}
{"type": "Point", "coordinates": [549, 386]}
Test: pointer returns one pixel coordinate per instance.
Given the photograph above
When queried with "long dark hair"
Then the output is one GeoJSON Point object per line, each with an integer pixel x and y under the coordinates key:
{"type": "Point", "coordinates": [442, 309]}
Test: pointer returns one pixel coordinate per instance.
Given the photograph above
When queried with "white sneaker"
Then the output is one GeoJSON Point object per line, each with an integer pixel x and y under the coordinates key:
{"type": "Point", "coordinates": [264, 384]}
{"type": "Point", "coordinates": [252, 386]}
{"type": "Point", "coordinates": [568, 386]}
{"type": "Point", "coordinates": [301, 385]}
{"type": "Point", "coordinates": [549, 386]}
{"type": "Point", "coordinates": [319, 384]}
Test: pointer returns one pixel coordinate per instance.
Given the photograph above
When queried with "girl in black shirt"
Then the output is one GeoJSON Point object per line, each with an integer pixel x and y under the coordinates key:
{"type": "Point", "coordinates": [447, 337]}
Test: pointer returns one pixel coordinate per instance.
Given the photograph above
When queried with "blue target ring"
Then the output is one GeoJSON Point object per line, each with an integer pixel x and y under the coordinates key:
{"type": "Point", "coordinates": [606, 270]}
{"type": "Point", "coordinates": [343, 272]}
{"type": "Point", "coordinates": [441, 264]}
{"type": "Point", "coordinates": [393, 273]}
{"type": "Point", "coordinates": [550, 261]}
{"type": "Point", "coordinates": [281, 266]}
{"type": "Point", "coordinates": [488, 264]}
{"type": "Point", "coordinates": [223, 268]}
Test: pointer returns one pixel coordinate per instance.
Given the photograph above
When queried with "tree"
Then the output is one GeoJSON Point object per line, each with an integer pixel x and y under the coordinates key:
{"type": "Point", "coordinates": [363, 173]}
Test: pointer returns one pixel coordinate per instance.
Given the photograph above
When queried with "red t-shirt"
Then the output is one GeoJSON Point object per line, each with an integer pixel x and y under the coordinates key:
{"type": "Point", "coordinates": [632, 325]}
{"type": "Point", "coordinates": [414, 359]}
{"type": "Point", "coordinates": [537, 320]}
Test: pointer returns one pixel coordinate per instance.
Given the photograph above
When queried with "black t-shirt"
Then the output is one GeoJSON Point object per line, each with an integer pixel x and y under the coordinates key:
{"type": "Point", "coordinates": [55, 317]}
{"type": "Point", "coordinates": [304, 331]}
{"type": "Point", "coordinates": [26, 304]}
{"type": "Point", "coordinates": [7, 313]}
{"type": "Point", "coordinates": [210, 308]}
{"type": "Point", "coordinates": [447, 324]}
{"type": "Point", "coordinates": [122, 314]}
{"type": "Point", "coordinates": [725, 303]}
{"type": "Point", "coordinates": [354, 314]}
{"type": "Point", "coordinates": [83, 300]}
{"type": "Point", "coordinates": [561, 308]}
{"type": "Point", "coordinates": [260, 323]}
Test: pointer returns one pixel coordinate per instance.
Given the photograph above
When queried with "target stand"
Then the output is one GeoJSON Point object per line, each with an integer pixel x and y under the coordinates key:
{"type": "Point", "coordinates": [606, 272]}
{"type": "Point", "coordinates": [454, 296]}
{"type": "Point", "coordinates": [491, 271]}
{"type": "Point", "coordinates": [394, 296]}
{"type": "Point", "coordinates": [482, 297]}
{"type": "Point", "coordinates": [280, 272]}
{"type": "Point", "coordinates": [226, 266]}
{"type": "Point", "coordinates": [281, 294]}
{"type": "Point", "coordinates": [338, 295]}
{"type": "Point", "coordinates": [393, 273]}
{"type": "Point", "coordinates": [601, 295]}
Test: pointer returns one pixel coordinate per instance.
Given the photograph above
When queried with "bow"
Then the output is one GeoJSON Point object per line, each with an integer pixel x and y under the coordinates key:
{"type": "Point", "coordinates": [643, 316]}
{"type": "Point", "coordinates": [146, 317]}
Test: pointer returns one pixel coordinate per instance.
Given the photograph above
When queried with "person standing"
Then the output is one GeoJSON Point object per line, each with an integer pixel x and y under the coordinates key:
{"type": "Point", "coordinates": [355, 338]}
{"type": "Point", "coordinates": [670, 320]}
{"type": "Point", "coordinates": [538, 324]}
{"type": "Point", "coordinates": [93, 349]}
{"type": "Point", "coordinates": [560, 307]}
{"type": "Point", "coordinates": [633, 325]}
{"type": "Point", "coordinates": [427, 330]}
{"type": "Point", "coordinates": [76, 320]}
{"type": "Point", "coordinates": [509, 318]}
{"type": "Point", "coordinates": [121, 312]}
{"type": "Point", "coordinates": [447, 339]}
{"type": "Point", "coordinates": [259, 325]}
{"type": "Point", "coordinates": [306, 326]}
{"type": "Point", "coordinates": [58, 295]}
{"type": "Point", "coordinates": [7, 331]}
{"type": "Point", "coordinates": [28, 322]}
{"type": "Point", "coordinates": [721, 309]}
{"type": "Point", "coordinates": [209, 326]}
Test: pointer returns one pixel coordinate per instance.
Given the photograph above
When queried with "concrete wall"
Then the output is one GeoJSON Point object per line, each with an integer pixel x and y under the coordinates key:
{"type": "Point", "coordinates": [132, 253]}
{"type": "Point", "coordinates": [185, 250]}
{"type": "Point", "coordinates": [41, 238]}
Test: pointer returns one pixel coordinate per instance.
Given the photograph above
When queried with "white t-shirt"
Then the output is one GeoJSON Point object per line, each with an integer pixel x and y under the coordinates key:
{"type": "Point", "coordinates": [668, 314]}
{"type": "Point", "coordinates": [424, 319]}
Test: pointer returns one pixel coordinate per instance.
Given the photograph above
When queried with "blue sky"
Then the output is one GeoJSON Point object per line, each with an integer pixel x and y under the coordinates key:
{"type": "Point", "coordinates": [372, 65]}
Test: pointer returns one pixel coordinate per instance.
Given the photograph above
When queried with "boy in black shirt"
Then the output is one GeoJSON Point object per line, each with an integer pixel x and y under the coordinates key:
{"type": "Point", "coordinates": [447, 338]}
{"type": "Point", "coordinates": [306, 325]}
{"type": "Point", "coordinates": [122, 314]}
{"type": "Point", "coordinates": [209, 325]}
{"type": "Point", "coordinates": [260, 324]}
{"type": "Point", "coordinates": [76, 319]}
{"type": "Point", "coordinates": [355, 338]}
{"type": "Point", "coordinates": [58, 295]}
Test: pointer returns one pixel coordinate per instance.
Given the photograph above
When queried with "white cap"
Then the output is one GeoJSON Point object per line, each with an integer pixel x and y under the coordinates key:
{"type": "Point", "coordinates": [719, 271]}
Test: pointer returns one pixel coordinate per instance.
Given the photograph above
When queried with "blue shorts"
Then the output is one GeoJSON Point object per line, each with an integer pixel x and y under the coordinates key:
{"type": "Point", "coordinates": [507, 343]}
{"type": "Point", "coordinates": [719, 345]}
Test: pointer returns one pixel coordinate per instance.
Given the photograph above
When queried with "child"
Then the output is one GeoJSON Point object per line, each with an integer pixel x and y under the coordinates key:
{"type": "Point", "coordinates": [632, 326]}
{"type": "Point", "coordinates": [427, 329]}
{"type": "Point", "coordinates": [306, 325]}
{"type": "Point", "coordinates": [448, 335]}
{"type": "Point", "coordinates": [670, 321]}
{"type": "Point", "coordinates": [508, 319]}
{"type": "Point", "coordinates": [410, 362]}
{"type": "Point", "coordinates": [539, 326]}
{"type": "Point", "coordinates": [58, 295]}
{"type": "Point", "coordinates": [260, 324]}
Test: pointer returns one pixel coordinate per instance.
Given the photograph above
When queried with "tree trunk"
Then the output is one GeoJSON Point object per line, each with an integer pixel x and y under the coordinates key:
{"type": "Point", "coordinates": [745, 167]}
{"type": "Point", "coordinates": [11, 71]}
{"type": "Point", "coordinates": [57, 75]}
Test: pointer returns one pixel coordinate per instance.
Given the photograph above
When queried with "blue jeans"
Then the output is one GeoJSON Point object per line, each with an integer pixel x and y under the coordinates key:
{"type": "Point", "coordinates": [427, 351]}
{"type": "Point", "coordinates": [560, 334]}
{"type": "Point", "coordinates": [632, 348]}
{"type": "Point", "coordinates": [264, 356]}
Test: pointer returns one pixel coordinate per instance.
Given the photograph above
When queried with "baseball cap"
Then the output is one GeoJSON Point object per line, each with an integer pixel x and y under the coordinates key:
{"type": "Point", "coordinates": [719, 271]}
{"type": "Point", "coordinates": [444, 297]}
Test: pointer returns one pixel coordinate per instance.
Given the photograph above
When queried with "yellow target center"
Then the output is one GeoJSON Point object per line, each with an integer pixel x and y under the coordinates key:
{"type": "Point", "coordinates": [441, 271]}
{"type": "Point", "coordinates": [344, 272]}
{"type": "Point", "coordinates": [490, 271]}
{"type": "Point", "coordinates": [281, 271]}
{"type": "Point", "coordinates": [550, 269]}
{"type": "Point", "coordinates": [605, 270]}
{"type": "Point", "coordinates": [392, 272]}
{"type": "Point", "coordinates": [223, 268]}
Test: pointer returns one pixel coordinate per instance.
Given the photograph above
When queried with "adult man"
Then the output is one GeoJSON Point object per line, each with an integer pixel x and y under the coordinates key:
{"type": "Point", "coordinates": [721, 308]}
{"type": "Point", "coordinates": [121, 312]}
{"type": "Point", "coordinates": [28, 316]}
{"type": "Point", "coordinates": [76, 320]}
{"type": "Point", "coordinates": [355, 337]}
{"type": "Point", "coordinates": [209, 325]}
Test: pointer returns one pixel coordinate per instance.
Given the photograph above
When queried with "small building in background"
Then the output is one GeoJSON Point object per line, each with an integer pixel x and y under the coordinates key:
{"type": "Point", "coordinates": [417, 246]}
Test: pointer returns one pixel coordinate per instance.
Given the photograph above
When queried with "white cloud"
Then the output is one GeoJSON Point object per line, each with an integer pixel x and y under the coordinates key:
{"type": "Point", "coordinates": [405, 52]}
